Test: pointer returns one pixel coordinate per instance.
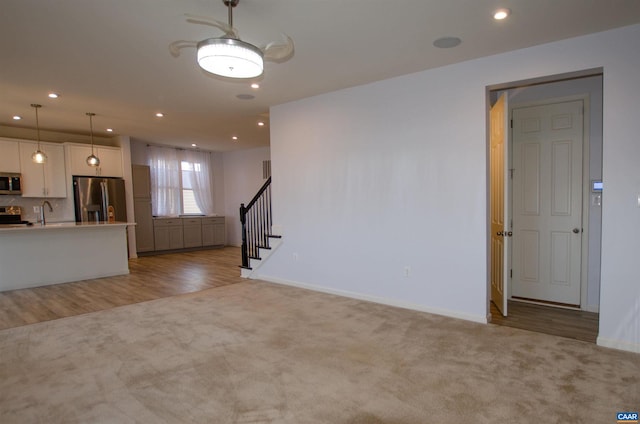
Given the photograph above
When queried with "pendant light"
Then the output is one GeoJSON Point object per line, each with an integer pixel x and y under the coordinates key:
{"type": "Point", "coordinates": [38, 156]}
{"type": "Point", "coordinates": [92, 160]}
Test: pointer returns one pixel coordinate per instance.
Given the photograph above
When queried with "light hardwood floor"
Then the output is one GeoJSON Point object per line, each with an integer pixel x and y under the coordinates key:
{"type": "Point", "coordinates": [579, 325]}
{"type": "Point", "coordinates": [151, 277]}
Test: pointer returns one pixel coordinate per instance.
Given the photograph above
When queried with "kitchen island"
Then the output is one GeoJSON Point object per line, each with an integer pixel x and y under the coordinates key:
{"type": "Point", "coordinates": [40, 255]}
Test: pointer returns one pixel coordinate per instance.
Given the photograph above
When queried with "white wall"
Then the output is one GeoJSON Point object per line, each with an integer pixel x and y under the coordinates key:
{"type": "Point", "coordinates": [376, 178]}
{"type": "Point", "coordinates": [243, 178]}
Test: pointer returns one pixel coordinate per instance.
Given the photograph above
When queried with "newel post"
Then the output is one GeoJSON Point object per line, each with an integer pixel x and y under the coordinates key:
{"type": "Point", "coordinates": [243, 220]}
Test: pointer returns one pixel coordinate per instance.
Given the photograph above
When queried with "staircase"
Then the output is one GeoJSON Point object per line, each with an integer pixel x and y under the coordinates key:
{"type": "Point", "coordinates": [257, 240]}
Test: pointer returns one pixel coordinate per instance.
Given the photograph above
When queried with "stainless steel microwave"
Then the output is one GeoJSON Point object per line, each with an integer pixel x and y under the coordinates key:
{"type": "Point", "coordinates": [10, 183]}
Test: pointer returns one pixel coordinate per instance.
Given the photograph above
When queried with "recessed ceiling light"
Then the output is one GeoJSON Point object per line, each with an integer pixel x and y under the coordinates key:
{"type": "Point", "coordinates": [159, 114]}
{"type": "Point", "coordinates": [501, 14]}
{"type": "Point", "coordinates": [109, 129]}
{"type": "Point", "coordinates": [261, 124]}
{"type": "Point", "coordinates": [447, 42]}
{"type": "Point", "coordinates": [194, 145]}
{"type": "Point", "coordinates": [17, 118]}
{"type": "Point", "coordinates": [234, 138]}
{"type": "Point", "coordinates": [246, 96]}
{"type": "Point", "coordinates": [53, 95]}
{"type": "Point", "coordinates": [255, 85]}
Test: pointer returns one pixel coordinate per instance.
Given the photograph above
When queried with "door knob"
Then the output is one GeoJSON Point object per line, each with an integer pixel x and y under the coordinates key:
{"type": "Point", "coordinates": [576, 230]}
{"type": "Point", "coordinates": [500, 233]}
{"type": "Point", "coordinates": [510, 233]}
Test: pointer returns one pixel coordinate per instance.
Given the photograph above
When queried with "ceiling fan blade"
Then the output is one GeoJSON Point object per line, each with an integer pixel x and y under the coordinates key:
{"type": "Point", "coordinates": [205, 20]}
{"type": "Point", "coordinates": [278, 51]}
{"type": "Point", "coordinates": [174, 48]}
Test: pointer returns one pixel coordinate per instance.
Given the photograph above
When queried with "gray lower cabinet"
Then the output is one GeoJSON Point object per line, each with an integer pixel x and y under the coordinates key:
{"type": "Point", "coordinates": [192, 228]}
{"type": "Point", "coordinates": [187, 233]}
{"type": "Point", "coordinates": [213, 231]}
{"type": "Point", "coordinates": [168, 233]}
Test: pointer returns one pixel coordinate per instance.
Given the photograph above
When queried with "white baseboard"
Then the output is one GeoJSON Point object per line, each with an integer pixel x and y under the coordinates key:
{"type": "Point", "coordinates": [618, 344]}
{"type": "Point", "coordinates": [385, 301]}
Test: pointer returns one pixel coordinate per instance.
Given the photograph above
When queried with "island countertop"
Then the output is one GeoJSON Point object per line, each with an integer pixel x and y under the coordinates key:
{"type": "Point", "coordinates": [61, 252]}
{"type": "Point", "coordinates": [62, 225]}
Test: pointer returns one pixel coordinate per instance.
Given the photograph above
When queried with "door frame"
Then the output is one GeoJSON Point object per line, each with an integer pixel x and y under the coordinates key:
{"type": "Point", "coordinates": [586, 185]}
{"type": "Point", "coordinates": [490, 91]}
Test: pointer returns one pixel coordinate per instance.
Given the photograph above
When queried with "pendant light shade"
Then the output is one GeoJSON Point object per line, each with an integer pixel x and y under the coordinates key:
{"type": "Point", "coordinates": [38, 156]}
{"type": "Point", "coordinates": [92, 159]}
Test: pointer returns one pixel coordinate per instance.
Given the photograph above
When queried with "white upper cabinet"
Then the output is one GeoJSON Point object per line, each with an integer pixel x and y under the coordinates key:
{"type": "Point", "coordinates": [110, 160]}
{"type": "Point", "coordinates": [42, 179]}
{"type": "Point", "coordinates": [9, 156]}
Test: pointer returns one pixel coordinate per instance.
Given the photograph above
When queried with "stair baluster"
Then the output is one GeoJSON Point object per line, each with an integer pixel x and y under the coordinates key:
{"type": "Point", "coordinates": [256, 223]}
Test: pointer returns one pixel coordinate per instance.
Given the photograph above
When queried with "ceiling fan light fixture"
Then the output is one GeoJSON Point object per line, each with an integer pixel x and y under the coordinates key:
{"type": "Point", "coordinates": [230, 57]}
{"type": "Point", "coordinates": [502, 13]}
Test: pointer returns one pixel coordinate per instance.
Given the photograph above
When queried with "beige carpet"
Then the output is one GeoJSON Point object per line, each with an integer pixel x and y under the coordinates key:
{"type": "Point", "coordinates": [256, 352]}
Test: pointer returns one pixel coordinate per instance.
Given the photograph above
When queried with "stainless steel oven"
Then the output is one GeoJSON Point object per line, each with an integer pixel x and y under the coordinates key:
{"type": "Point", "coordinates": [10, 183]}
{"type": "Point", "coordinates": [12, 215]}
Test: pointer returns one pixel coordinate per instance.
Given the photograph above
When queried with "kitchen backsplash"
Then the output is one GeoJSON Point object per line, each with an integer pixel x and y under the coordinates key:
{"type": "Point", "coordinates": [62, 208]}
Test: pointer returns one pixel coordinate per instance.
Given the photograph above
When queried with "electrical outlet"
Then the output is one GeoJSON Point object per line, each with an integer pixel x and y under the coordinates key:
{"type": "Point", "coordinates": [36, 209]}
{"type": "Point", "coordinates": [295, 257]}
{"type": "Point", "coordinates": [407, 271]}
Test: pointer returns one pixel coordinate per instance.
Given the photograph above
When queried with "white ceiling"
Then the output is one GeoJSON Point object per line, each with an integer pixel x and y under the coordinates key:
{"type": "Point", "coordinates": [111, 57]}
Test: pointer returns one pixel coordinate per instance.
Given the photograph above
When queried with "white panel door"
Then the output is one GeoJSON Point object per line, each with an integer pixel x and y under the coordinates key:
{"type": "Point", "coordinates": [498, 200]}
{"type": "Point", "coordinates": [547, 208]}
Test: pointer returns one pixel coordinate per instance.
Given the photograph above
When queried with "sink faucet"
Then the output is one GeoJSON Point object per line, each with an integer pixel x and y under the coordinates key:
{"type": "Point", "coordinates": [42, 219]}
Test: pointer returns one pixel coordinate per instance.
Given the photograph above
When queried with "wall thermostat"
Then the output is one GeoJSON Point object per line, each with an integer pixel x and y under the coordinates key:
{"type": "Point", "coordinates": [596, 186]}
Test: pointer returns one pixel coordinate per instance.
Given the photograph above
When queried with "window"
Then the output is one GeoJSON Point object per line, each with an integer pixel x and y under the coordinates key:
{"type": "Point", "coordinates": [180, 182]}
{"type": "Point", "coordinates": [189, 204]}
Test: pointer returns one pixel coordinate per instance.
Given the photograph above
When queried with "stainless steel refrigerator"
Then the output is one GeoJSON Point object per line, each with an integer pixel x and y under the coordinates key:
{"type": "Point", "coordinates": [99, 199]}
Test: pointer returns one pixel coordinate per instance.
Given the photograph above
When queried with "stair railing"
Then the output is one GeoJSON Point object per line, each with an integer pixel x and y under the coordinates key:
{"type": "Point", "coordinates": [256, 223]}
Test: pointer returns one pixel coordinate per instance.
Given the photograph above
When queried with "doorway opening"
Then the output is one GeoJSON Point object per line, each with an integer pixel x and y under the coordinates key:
{"type": "Point", "coordinates": [546, 186]}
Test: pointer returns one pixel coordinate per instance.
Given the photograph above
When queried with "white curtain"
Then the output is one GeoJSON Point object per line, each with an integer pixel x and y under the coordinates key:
{"type": "Point", "coordinates": [165, 181]}
{"type": "Point", "coordinates": [200, 179]}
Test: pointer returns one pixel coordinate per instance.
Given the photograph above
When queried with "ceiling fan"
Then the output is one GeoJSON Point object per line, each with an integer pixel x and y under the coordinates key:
{"type": "Point", "coordinates": [228, 55]}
